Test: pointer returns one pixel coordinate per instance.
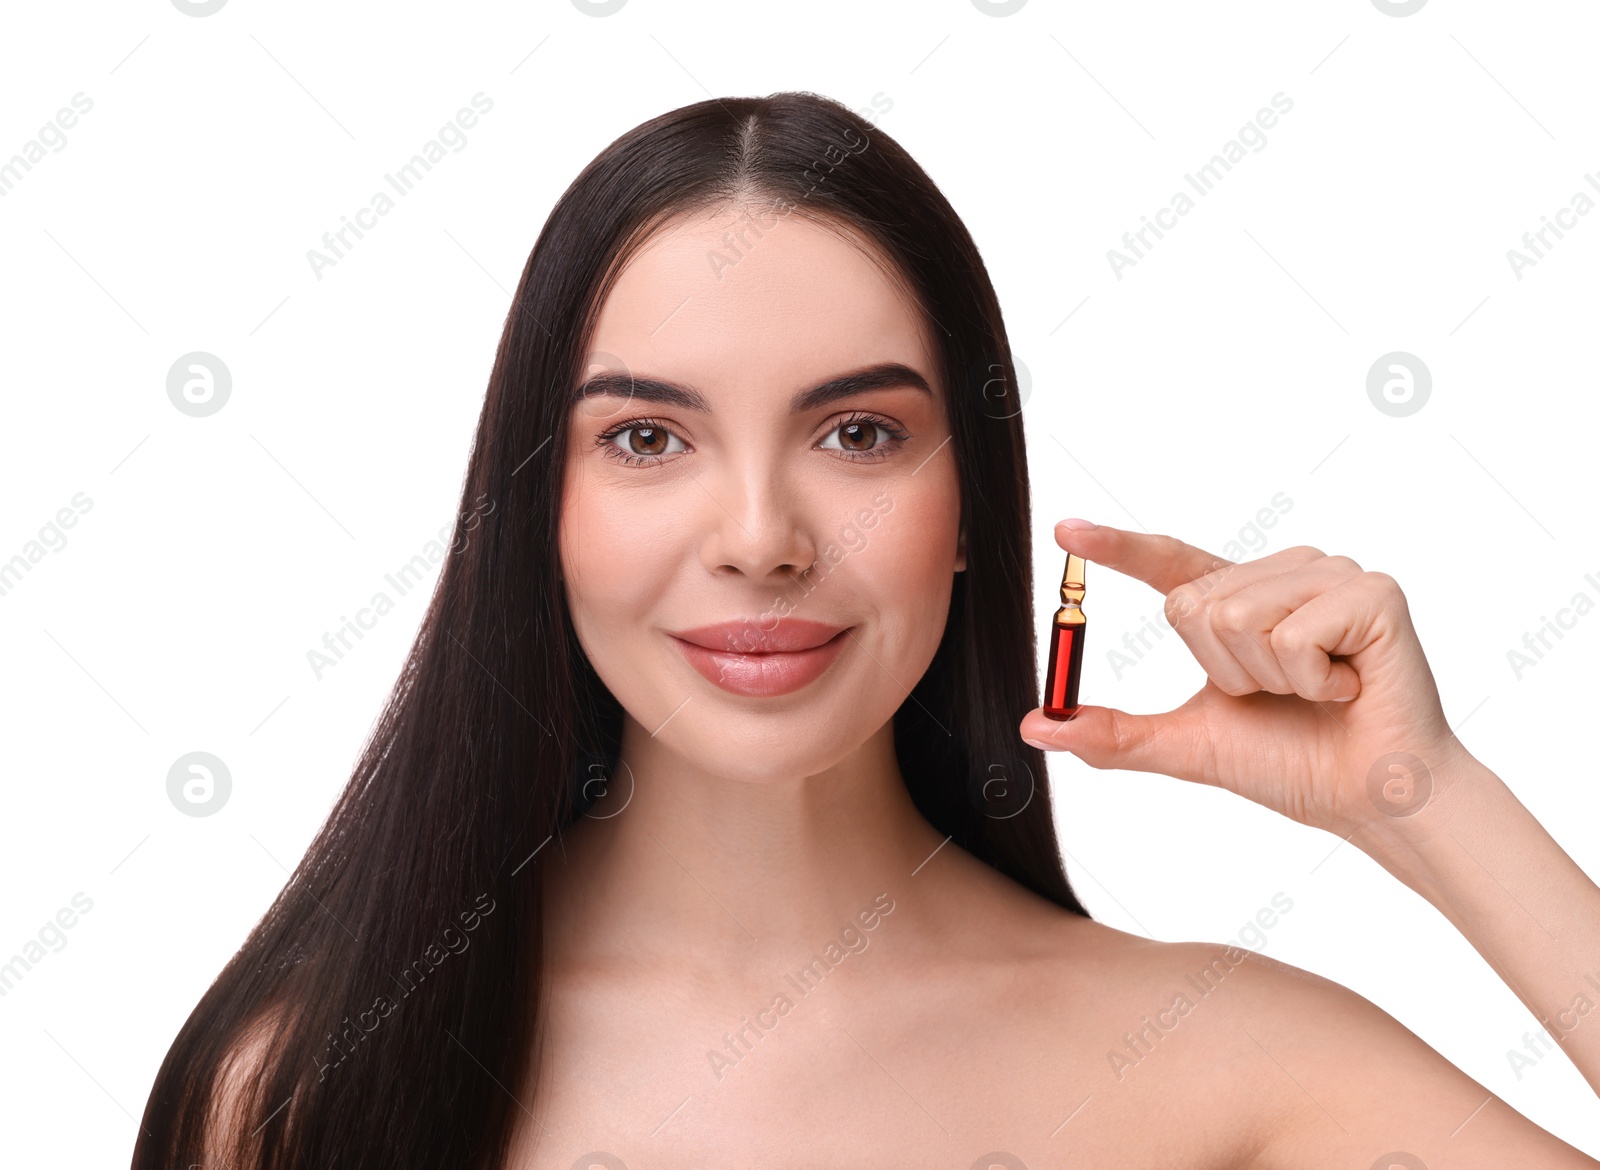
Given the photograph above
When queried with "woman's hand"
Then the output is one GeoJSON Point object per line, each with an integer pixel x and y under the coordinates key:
{"type": "Point", "coordinates": [1318, 701]}
{"type": "Point", "coordinates": [1282, 640]}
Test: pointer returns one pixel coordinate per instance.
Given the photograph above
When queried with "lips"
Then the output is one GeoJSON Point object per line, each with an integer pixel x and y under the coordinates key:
{"type": "Point", "coordinates": [744, 658]}
{"type": "Point", "coordinates": [789, 634]}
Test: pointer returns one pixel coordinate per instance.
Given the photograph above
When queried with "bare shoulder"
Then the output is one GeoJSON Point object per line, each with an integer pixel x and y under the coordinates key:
{"type": "Point", "coordinates": [1326, 1077]}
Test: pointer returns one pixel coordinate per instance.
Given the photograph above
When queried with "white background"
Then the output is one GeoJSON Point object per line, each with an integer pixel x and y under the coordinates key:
{"type": "Point", "coordinates": [1226, 366]}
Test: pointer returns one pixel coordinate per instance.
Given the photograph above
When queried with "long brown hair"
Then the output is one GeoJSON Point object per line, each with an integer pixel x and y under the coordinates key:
{"type": "Point", "coordinates": [395, 979]}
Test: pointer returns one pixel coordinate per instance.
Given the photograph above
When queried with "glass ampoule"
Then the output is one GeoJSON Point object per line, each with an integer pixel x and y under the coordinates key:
{"type": "Point", "coordinates": [1066, 645]}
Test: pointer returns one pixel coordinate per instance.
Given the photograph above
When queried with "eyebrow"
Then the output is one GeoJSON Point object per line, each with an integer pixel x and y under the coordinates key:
{"type": "Point", "coordinates": [883, 375]}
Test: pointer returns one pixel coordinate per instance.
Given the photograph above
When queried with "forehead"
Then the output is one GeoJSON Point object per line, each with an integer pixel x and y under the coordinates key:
{"type": "Point", "coordinates": [740, 302]}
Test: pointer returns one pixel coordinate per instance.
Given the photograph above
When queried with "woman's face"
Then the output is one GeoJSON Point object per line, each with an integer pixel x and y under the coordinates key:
{"type": "Point", "coordinates": [704, 488]}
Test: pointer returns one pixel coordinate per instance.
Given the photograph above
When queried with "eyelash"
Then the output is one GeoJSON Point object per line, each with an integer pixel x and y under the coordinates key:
{"type": "Point", "coordinates": [897, 437]}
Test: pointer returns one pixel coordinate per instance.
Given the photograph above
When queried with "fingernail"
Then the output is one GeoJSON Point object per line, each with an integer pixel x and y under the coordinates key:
{"type": "Point", "coordinates": [1044, 747]}
{"type": "Point", "coordinates": [1074, 522]}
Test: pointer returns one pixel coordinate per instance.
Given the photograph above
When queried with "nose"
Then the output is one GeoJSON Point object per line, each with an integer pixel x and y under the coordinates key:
{"type": "Point", "coordinates": [756, 523]}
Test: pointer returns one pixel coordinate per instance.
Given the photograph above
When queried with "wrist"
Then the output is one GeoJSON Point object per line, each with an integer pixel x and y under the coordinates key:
{"type": "Point", "coordinates": [1422, 811]}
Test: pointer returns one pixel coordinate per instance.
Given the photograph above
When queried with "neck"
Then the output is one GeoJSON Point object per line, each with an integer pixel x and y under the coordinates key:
{"type": "Point", "coordinates": [717, 872]}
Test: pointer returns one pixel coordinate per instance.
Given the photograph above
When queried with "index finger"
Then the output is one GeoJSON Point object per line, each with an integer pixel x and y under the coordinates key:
{"type": "Point", "coordinates": [1162, 562]}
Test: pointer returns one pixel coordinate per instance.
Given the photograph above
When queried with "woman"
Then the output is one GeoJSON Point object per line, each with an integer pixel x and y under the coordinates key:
{"type": "Point", "coordinates": [699, 829]}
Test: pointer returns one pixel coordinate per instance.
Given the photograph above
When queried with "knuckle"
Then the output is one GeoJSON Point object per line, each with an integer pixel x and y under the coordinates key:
{"type": "Point", "coordinates": [1121, 734]}
{"type": "Point", "coordinates": [1288, 639]}
{"type": "Point", "coordinates": [1383, 583]}
{"type": "Point", "coordinates": [1183, 601]}
{"type": "Point", "coordinates": [1171, 546]}
{"type": "Point", "coordinates": [1306, 552]}
{"type": "Point", "coordinates": [1285, 639]}
{"type": "Point", "coordinates": [1230, 615]}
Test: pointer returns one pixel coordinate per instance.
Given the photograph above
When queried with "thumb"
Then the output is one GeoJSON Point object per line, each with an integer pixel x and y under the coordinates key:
{"type": "Point", "coordinates": [1104, 737]}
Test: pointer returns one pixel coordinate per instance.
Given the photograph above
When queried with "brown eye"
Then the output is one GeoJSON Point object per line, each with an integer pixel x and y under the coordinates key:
{"type": "Point", "coordinates": [647, 440]}
{"type": "Point", "coordinates": [864, 437]}
{"type": "Point", "coordinates": [640, 441]}
{"type": "Point", "coordinates": [858, 436]}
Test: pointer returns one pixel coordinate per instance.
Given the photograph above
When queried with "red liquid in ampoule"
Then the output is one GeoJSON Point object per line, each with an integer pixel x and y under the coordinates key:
{"type": "Point", "coordinates": [1066, 665]}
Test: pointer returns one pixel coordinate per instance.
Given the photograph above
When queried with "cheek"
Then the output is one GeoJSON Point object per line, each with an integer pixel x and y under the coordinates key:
{"type": "Point", "coordinates": [906, 563]}
{"type": "Point", "coordinates": [611, 562]}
